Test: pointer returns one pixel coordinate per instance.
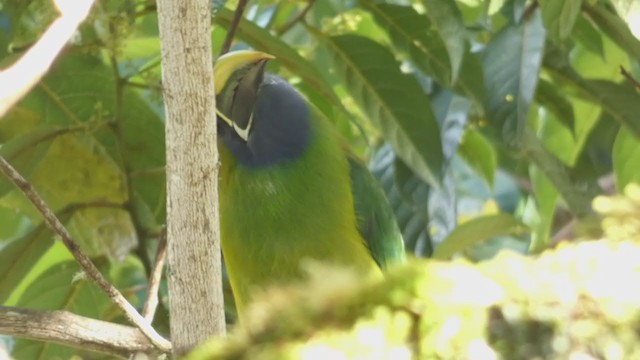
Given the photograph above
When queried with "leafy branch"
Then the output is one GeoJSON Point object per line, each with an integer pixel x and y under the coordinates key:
{"type": "Point", "coordinates": [83, 260]}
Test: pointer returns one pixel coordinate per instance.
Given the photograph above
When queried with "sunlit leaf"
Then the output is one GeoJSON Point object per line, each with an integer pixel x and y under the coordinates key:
{"type": "Point", "coordinates": [475, 231]}
{"type": "Point", "coordinates": [626, 159]}
{"type": "Point", "coordinates": [17, 258]}
{"type": "Point", "coordinates": [477, 151]}
{"type": "Point", "coordinates": [546, 197]}
{"type": "Point", "coordinates": [559, 17]}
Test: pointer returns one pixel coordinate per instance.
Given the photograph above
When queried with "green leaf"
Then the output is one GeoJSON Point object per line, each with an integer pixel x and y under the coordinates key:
{"type": "Point", "coordinates": [56, 289]}
{"type": "Point", "coordinates": [588, 99]}
{"type": "Point", "coordinates": [615, 28]}
{"type": "Point", "coordinates": [412, 33]}
{"type": "Point", "coordinates": [447, 19]}
{"type": "Point", "coordinates": [478, 152]}
{"type": "Point", "coordinates": [559, 17]}
{"type": "Point", "coordinates": [621, 101]}
{"type": "Point", "coordinates": [511, 67]}
{"type": "Point", "coordinates": [551, 98]}
{"type": "Point", "coordinates": [588, 36]}
{"type": "Point", "coordinates": [546, 198]}
{"type": "Point", "coordinates": [17, 258]}
{"type": "Point", "coordinates": [26, 151]}
{"type": "Point", "coordinates": [80, 90]}
{"type": "Point", "coordinates": [626, 159]}
{"type": "Point", "coordinates": [64, 287]}
{"type": "Point", "coordinates": [394, 101]}
{"type": "Point", "coordinates": [408, 197]}
{"type": "Point", "coordinates": [140, 47]}
{"type": "Point", "coordinates": [475, 231]}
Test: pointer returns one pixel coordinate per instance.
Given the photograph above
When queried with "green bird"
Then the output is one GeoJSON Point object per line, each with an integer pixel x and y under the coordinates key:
{"type": "Point", "coordinates": [289, 189]}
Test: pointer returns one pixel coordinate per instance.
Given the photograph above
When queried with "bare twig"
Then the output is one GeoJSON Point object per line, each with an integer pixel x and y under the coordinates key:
{"type": "Point", "coordinates": [73, 330]}
{"type": "Point", "coordinates": [151, 303]}
{"type": "Point", "coordinates": [566, 232]}
{"type": "Point", "coordinates": [630, 78]}
{"type": "Point", "coordinates": [287, 26]}
{"type": "Point", "coordinates": [25, 73]}
{"type": "Point", "coordinates": [231, 31]}
{"type": "Point", "coordinates": [89, 268]}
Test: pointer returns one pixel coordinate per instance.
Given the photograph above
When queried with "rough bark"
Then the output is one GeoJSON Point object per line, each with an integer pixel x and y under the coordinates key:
{"type": "Point", "coordinates": [69, 329]}
{"type": "Point", "coordinates": [196, 302]}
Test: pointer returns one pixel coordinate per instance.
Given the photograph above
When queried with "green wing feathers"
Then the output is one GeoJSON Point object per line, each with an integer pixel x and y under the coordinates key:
{"type": "Point", "coordinates": [375, 219]}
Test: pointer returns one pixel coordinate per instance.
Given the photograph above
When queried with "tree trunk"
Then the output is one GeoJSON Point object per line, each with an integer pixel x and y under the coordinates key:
{"type": "Point", "coordinates": [195, 286]}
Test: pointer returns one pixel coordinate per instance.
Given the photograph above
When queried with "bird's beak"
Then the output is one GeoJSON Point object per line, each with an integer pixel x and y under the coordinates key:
{"type": "Point", "coordinates": [252, 63]}
{"type": "Point", "coordinates": [229, 63]}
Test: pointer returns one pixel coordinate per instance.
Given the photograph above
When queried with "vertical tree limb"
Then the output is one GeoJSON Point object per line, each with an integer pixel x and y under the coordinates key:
{"type": "Point", "coordinates": [193, 235]}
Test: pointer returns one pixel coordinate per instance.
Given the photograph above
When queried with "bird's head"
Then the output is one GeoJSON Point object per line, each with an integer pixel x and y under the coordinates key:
{"type": "Point", "coordinates": [261, 118]}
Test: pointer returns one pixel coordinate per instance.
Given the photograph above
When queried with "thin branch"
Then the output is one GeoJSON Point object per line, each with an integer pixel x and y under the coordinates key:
{"type": "Point", "coordinates": [630, 78]}
{"type": "Point", "coordinates": [231, 31]}
{"type": "Point", "coordinates": [287, 26]}
{"type": "Point", "coordinates": [151, 303]}
{"type": "Point", "coordinates": [89, 268]}
{"type": "Point", "coordinates": [73, 330]}
{"type": "Point", "coordinates": [566, 232]}
{"type": "Point", "coordinates": [26, 72]}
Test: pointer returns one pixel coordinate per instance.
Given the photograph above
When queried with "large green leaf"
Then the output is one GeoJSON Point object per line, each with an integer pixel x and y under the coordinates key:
{"type": "Point", "coordinates": [394, 101]}
{"type": "Point", "coordinates": [412, 33]}
{"type": "Point", "coordinates": [447, 19]}
{"type": "Point", "coordinates": [626, 159]}
{"type": "Point", "coordinates": [559, 17]}
{"type": "Point", "coordinates": [408, 197]}
{"type": "Point", "coordinates": [477, 230]}
{"type": "Point", "coordinates": [511, 67]}
{"type": "Point", "coordinates": [80, 90]}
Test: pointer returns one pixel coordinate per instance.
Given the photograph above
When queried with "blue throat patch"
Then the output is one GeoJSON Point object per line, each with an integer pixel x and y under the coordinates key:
{"type": "Point", "coordinates": [281, 128]}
